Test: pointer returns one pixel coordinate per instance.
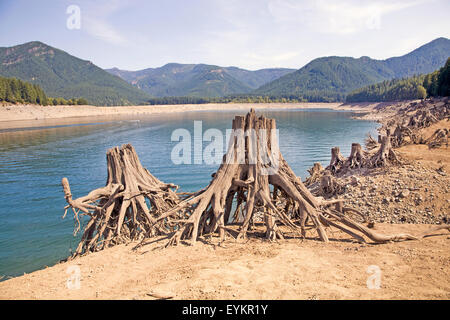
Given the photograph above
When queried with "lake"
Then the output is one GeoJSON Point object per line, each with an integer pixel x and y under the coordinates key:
{"type": "Point", "coordinates": [33, 161]}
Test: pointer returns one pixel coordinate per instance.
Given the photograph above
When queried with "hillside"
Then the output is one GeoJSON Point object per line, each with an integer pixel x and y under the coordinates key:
{"type": "Point", "coordinates": [415, 87]}
{"type": "Point", "coordinates": [390, 90]}
{"type": "Point", "coordinates": [198, 80]}
{"type": "Point", "coordinates": [324, 79]}
{"type": "Point", "coordinates": [60, 74]}
{"type": "Point", "coordinates": [331, 78]}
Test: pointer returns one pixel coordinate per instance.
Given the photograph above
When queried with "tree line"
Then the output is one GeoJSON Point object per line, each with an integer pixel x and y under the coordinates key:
{"type": "Point", "coordinates": [238, 99]}
{"type": "Point", "coordinates": [14, 91]}
{"type": "Point", "coordinates": [417, 87]}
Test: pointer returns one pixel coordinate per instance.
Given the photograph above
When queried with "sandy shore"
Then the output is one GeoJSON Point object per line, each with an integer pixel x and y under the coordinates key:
{"type": "Point", "coordinates": [257, 269]}
{"type": "Point", "coordinates": [24, 116]}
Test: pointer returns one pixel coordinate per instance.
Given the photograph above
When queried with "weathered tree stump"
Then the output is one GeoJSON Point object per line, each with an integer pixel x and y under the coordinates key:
{"type": "Point", "coordinates": [357, 156]}
{"type": "Point", "coordinates": [119, 212]}
{"type": "Point", "coordinates": [315, 173]}
{"type": "Point", "coordinates": [328, 185]}
{"type": "Point", "coordinates": [337, 160]}
{"type": "Point", "coordinates": [422, 119]}
{"type": "Point", "coordinates": [385, 154]}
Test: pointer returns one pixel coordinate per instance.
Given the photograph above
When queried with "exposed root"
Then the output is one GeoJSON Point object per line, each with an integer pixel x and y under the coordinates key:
{"type": "Point", "coordinates": [439, 138]}
{"type": "Point", "coordinates": [125, 209]}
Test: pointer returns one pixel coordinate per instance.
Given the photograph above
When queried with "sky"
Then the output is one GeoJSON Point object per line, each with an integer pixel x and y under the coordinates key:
{"type": "Point", "coordinates": [251, 34]}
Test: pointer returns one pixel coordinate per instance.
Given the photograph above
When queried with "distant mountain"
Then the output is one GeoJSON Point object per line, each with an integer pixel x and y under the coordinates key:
{"type": "Point", "coordinates": [60, 74]}
{"type": "Point", "coordinates": [255, 79]}
{"type": "Point", "coordinates": [331, 78]}
{"type": "Point", "coordinates": [424, 59]}
{"type": "Point", "coordinates": [63, 75]}
{"type": "Point", "coordinates": [198, 80]}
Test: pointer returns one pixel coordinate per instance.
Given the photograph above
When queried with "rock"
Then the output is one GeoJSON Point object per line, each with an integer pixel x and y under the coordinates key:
{"type": "Point", "coordinates": [404, 193]}
{"type": "Point", "coordinates": [354, 181]}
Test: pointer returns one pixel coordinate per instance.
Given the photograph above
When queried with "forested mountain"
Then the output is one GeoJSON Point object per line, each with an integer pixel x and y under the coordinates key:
{"type": "Point", "coordinates": [390, 90]}
{"type": "Point", "coordinates": [331, 78]}
{"type": "Point", "coordinates": [424, 59]}
{"type": "Point", "coordinates": [61, 75]}
{"type": "Point", "coordinates": [324, 79]}
{"type": "Point", "coordinates": [417, 87]}
{"type": "Point", "coordinates": [198, 80]}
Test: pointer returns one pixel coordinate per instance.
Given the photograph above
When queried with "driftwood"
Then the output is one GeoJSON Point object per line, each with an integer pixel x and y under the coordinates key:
{"type": "Point", "coordinates": [127, 208]}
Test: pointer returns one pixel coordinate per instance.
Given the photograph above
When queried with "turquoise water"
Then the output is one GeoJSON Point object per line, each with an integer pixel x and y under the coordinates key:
{"type": "Point", "coordinates": [32, 163]}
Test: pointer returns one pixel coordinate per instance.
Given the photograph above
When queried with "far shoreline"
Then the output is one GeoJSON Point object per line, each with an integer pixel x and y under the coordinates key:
{"type": "Point", "coordinates": [29, 116]}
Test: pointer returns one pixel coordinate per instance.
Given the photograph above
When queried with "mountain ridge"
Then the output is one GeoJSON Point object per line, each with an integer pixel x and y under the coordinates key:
{"type": "Point", "coordinates": [322, 79]}
{"type": "Point", "coordinates": [63, 75]}
{"type": "Point", "coordinates": [176, 79]}
{"type": "Point", "coordinates": [331, 78]}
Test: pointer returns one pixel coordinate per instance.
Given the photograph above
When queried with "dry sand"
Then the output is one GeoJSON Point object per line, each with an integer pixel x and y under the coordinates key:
{"type": "Point", "coordinates": [23, 116]}
{"type": "Point", "coordinates": [290, 269]}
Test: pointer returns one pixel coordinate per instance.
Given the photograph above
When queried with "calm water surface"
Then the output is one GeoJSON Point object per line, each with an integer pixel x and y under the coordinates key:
{"type": "Point", "coordinates": [32, 163]}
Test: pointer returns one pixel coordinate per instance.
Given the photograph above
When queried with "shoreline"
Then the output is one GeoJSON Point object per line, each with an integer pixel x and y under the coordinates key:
{"type": "Point", "coordinates": [31, 116]}
{"type": "Point", "coordinates": [258, 270]}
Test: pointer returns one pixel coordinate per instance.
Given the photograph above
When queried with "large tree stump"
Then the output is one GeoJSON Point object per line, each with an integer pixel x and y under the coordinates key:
{"type": "Point", "coordinates": [315, 173]}
{"type": "Point", "coordinates": [127, 208]}
{"type": "Point", "coordinates": [337, 160]}
{"type": "Point", "coordinates": [422, 119]}
{"type": "Point", "coordinates": [385, 153]}
{"type": "Point", "coordinates": [357, 156]}
{"type": "Point", "coordinates": [244, 174]}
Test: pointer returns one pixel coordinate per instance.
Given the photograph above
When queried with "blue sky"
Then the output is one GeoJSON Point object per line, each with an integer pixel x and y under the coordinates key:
{"type": "Point", "coordinates": [252, 34]}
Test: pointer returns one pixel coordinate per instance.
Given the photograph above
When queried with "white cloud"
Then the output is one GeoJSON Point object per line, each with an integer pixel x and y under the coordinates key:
{"type": "Point", "coordinates": [343, 17]}
{"type": "Point", "coordinates": [104, 31]}
{"type": "Point", "coordinates": [95, 21]}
